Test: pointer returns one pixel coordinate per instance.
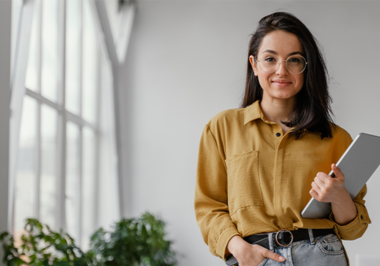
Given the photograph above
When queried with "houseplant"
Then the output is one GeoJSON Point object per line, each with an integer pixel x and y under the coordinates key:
{"type": "Point", "coordinates": [136, 241]}
{"type": "Point", "coordinates": [132, 242]}
{"type": "Point", "coordinates": [41, 246]}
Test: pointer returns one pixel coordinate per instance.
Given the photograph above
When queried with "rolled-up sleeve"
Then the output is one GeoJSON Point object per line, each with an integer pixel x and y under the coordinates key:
{"type": "Point", "coordinates": [358, 226]}
{"type": "Point", "coordinates": [210, 203]}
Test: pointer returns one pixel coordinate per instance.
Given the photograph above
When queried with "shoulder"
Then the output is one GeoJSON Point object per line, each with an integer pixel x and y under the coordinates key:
{"type": "Point", "coordinates": [341, 138]}
{"type": "Point", "coordinates": [340, 133]}
{"type": "Point", "coordinates": [226, 119]}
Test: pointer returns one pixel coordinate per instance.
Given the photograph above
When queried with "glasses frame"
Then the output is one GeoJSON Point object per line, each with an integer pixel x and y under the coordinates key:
{"type": "Point", "coordinates": [286, 65]}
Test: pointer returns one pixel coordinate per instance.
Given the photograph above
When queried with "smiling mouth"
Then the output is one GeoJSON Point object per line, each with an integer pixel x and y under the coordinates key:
{"type": "Point", "coordinates": [282, 83]}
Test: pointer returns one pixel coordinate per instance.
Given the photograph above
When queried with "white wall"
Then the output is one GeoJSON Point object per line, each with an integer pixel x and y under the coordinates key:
{"type": "Point", "coordinates": [186, 62]}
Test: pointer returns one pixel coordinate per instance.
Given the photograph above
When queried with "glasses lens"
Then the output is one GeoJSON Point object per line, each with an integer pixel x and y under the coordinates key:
{"type": "Point", "coordinates": [295, 64]}
{"type": "Point", "coordinates": [269, 64]}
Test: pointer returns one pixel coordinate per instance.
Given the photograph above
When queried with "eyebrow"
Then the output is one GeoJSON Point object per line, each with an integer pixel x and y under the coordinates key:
{"type": "Point", "coordinates": [274, 52]}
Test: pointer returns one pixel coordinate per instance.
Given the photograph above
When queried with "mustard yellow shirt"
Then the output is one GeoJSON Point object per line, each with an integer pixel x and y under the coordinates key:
{"type": "Point", "coordinates": [253, 179]}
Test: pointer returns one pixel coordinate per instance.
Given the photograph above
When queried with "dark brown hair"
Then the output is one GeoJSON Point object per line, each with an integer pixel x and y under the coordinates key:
{"type": "Point", "coordinates": [312, 112]}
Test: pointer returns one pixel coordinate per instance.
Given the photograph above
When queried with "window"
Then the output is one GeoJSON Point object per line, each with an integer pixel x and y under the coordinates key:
{"type": "Point", "coordinates": [67, 123]}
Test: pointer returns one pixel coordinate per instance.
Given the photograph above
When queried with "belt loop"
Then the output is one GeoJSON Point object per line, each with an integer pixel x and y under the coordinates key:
{"type": "Point", "coordinates": [270, 237]}
{"type": "Point", "coordinates": [311, 236]}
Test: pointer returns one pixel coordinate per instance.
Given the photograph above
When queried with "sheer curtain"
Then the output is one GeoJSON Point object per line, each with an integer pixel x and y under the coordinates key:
{"type": "Point", "coordinates": [66, 158]}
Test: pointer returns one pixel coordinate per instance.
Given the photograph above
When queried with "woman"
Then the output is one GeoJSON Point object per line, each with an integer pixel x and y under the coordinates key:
{"type": "Point", "coordinates": [259, 165]}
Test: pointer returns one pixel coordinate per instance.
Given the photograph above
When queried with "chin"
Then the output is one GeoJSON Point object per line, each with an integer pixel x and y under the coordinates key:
{"type": "Point", "coordinates": [284, 96]}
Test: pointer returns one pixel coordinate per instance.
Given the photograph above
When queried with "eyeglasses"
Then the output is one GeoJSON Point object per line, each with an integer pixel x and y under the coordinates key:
{"type": "Point", "coordinates": [295, 64]}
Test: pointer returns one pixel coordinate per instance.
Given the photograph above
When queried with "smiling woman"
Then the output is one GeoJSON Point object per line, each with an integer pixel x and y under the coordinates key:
{"type": "Point", "coordinates": [260, 164]}
{"type": "Point", "coordinates": [279, 37]}
{"type": "Point", "coordinates": [279, 82]}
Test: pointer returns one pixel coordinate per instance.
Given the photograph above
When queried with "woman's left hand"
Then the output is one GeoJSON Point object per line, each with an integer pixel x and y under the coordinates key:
{"type": "Point", "coordinates": [329, 189]}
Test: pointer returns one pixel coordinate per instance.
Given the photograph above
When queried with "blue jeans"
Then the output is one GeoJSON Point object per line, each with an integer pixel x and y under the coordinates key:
{"type": "Point", "coordinates": [320, 251]}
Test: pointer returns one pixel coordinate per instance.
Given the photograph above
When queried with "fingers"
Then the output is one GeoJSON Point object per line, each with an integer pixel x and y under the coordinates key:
{"type": "Point", "coordinates": [326, 188]}
{"type": "Point", "coordinates": [271, 255]}
{"type": "Point", "coordinates": [255, 255]}
{"type": "Point", "coordinates": [318, 194]}
{"type": "Point", "coordinates": [321, 184]}
{"type": "Point", "coordinates": [323, 177]}
{"type": "Point", "coordinates": [315, 191]}
{"type": "Point", "coordinates": [316, 187]}
{"type": "Point", "coordinates": [314, 194]}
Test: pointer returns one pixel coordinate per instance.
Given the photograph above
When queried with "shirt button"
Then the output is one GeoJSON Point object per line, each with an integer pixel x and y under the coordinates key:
{"type": "Point", "coordinates": [361, 217]}
{"type": "Point", "coordinates": [278, 134]}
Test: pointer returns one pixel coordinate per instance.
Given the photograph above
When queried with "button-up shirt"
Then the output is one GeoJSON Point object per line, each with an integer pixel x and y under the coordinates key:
{"type": "Point", "coordinates": [252, 178]}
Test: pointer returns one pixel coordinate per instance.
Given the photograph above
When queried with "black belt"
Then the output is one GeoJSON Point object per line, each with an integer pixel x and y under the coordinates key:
{"type": "Point", "coordinates": [282, 238]}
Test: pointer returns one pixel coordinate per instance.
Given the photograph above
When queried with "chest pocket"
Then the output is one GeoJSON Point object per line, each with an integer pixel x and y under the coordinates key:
{"type": "Point", "coordinates": [243, 180]}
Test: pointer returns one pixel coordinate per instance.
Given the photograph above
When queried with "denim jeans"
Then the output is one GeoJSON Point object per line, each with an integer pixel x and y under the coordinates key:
{"type": "Point", "coordinates": [320, 251]}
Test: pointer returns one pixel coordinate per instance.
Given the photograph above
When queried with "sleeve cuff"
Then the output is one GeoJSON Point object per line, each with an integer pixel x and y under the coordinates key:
{"type": "Point", "coordinates": [361, 218]}
{"type": "Point", "coordinates": [223, 241]}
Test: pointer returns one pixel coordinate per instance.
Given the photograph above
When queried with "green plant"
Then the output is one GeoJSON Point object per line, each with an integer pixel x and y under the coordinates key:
{"type": "Point", "coordinates": [42, 246]}
{"type": "Point", "coordinates": [133, 242]}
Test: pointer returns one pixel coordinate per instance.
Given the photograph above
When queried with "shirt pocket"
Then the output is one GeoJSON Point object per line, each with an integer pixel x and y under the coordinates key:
{"type": "Point", "coordinates": [243, 181]}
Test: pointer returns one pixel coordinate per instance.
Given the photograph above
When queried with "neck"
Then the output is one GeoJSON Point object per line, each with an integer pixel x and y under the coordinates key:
{"type": "Point", "coordinates": [277, 110]}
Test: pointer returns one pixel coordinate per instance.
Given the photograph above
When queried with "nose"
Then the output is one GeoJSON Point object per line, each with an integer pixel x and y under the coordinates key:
{"type": "Point", "coordinates": [281, 68]}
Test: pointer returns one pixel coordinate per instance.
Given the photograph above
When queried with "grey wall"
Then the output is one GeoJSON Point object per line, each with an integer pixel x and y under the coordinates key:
{"type": "Point", "coordinates": [187, 62]}
{"type": "Point", "coordinates": [5, 61]}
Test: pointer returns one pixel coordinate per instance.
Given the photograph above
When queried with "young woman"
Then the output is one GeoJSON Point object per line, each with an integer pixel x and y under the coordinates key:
{"type": "Point", "coordinates": [260, 164]}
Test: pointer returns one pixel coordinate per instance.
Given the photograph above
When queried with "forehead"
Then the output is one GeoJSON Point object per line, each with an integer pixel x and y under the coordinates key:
{"type": "Point", "coordinates": [281, 42]}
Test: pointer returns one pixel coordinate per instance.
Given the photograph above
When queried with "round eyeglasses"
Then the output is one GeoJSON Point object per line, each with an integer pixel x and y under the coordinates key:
{"type": "Point", "coordinates": [295, 64]}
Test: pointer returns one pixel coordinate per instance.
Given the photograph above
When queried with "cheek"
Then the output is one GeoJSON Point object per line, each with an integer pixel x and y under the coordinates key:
{"type": "Point", "coordinates": [264, 79]}
{"type": "Point", "coordinates": [300, 81]}
{"type": "Point", "coordinates": [263, 83]}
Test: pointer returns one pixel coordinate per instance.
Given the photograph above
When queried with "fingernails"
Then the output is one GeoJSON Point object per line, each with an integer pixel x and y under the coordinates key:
{"type": "Point", "coordinates": [334, 166]}
{"type": "Point", "coordinates": [282, 258]}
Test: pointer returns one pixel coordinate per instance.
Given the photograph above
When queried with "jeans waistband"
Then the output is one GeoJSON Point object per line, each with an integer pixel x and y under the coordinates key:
{"type": "Point", "coordinates": [268, 240]}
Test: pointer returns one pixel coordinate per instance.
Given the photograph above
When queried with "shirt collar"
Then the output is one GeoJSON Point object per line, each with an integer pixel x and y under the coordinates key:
{"type": "Point", "coordinates": [253, 112]}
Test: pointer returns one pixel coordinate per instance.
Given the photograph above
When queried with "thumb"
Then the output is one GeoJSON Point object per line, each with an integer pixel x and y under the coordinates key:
{"type": "Point", "coordinates": [337, 172]}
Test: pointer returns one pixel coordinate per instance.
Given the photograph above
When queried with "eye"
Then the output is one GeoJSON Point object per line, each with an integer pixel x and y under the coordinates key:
{"type": "Point", "coordinates": [270, 59]}
{"type": "Point", "coordinates": [294, 60]}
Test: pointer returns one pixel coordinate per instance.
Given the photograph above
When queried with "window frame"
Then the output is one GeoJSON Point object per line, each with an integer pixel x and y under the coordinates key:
{"type": "Point", "coordinates": [111, 54]}
{"type": "Point", "coordinates": [63, 116]}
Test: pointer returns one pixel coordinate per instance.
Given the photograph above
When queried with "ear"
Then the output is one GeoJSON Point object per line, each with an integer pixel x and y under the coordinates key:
{"type": "Point", "coordinates": [253, 64]}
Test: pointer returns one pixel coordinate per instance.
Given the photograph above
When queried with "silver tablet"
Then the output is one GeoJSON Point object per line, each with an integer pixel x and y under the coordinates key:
{"type": "Point", "coordinates": [358, 163]}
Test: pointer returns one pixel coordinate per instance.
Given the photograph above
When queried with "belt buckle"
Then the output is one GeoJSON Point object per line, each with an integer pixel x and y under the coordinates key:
{"type": "Point", "coordinates": [291, 238]}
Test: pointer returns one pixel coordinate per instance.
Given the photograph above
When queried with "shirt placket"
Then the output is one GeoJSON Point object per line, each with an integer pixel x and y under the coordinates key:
{"type": "Point", "coordinates": [279, 141]}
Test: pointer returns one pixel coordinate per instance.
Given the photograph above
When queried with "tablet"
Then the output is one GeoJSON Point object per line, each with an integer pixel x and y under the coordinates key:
{"type": "Point", "coordinates": [358, 163]}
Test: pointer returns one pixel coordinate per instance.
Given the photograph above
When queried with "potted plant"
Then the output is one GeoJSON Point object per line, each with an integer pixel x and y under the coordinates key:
{"type": "Point", "coordinates": [133, 242]}
{"type": "Point", "coordinates": [42, 246]}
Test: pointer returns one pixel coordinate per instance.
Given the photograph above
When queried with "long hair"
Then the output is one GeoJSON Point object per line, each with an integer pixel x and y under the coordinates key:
{"type": "Point", "coordinates": [312, 112]}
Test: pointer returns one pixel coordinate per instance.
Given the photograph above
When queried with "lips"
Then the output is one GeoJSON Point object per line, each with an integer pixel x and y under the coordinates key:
{"type": "Point", "coordinates": [281, 82]}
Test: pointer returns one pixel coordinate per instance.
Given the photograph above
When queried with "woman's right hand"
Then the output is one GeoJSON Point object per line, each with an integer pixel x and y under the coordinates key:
{"type": "Point", "coordinates": [250, 255]}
